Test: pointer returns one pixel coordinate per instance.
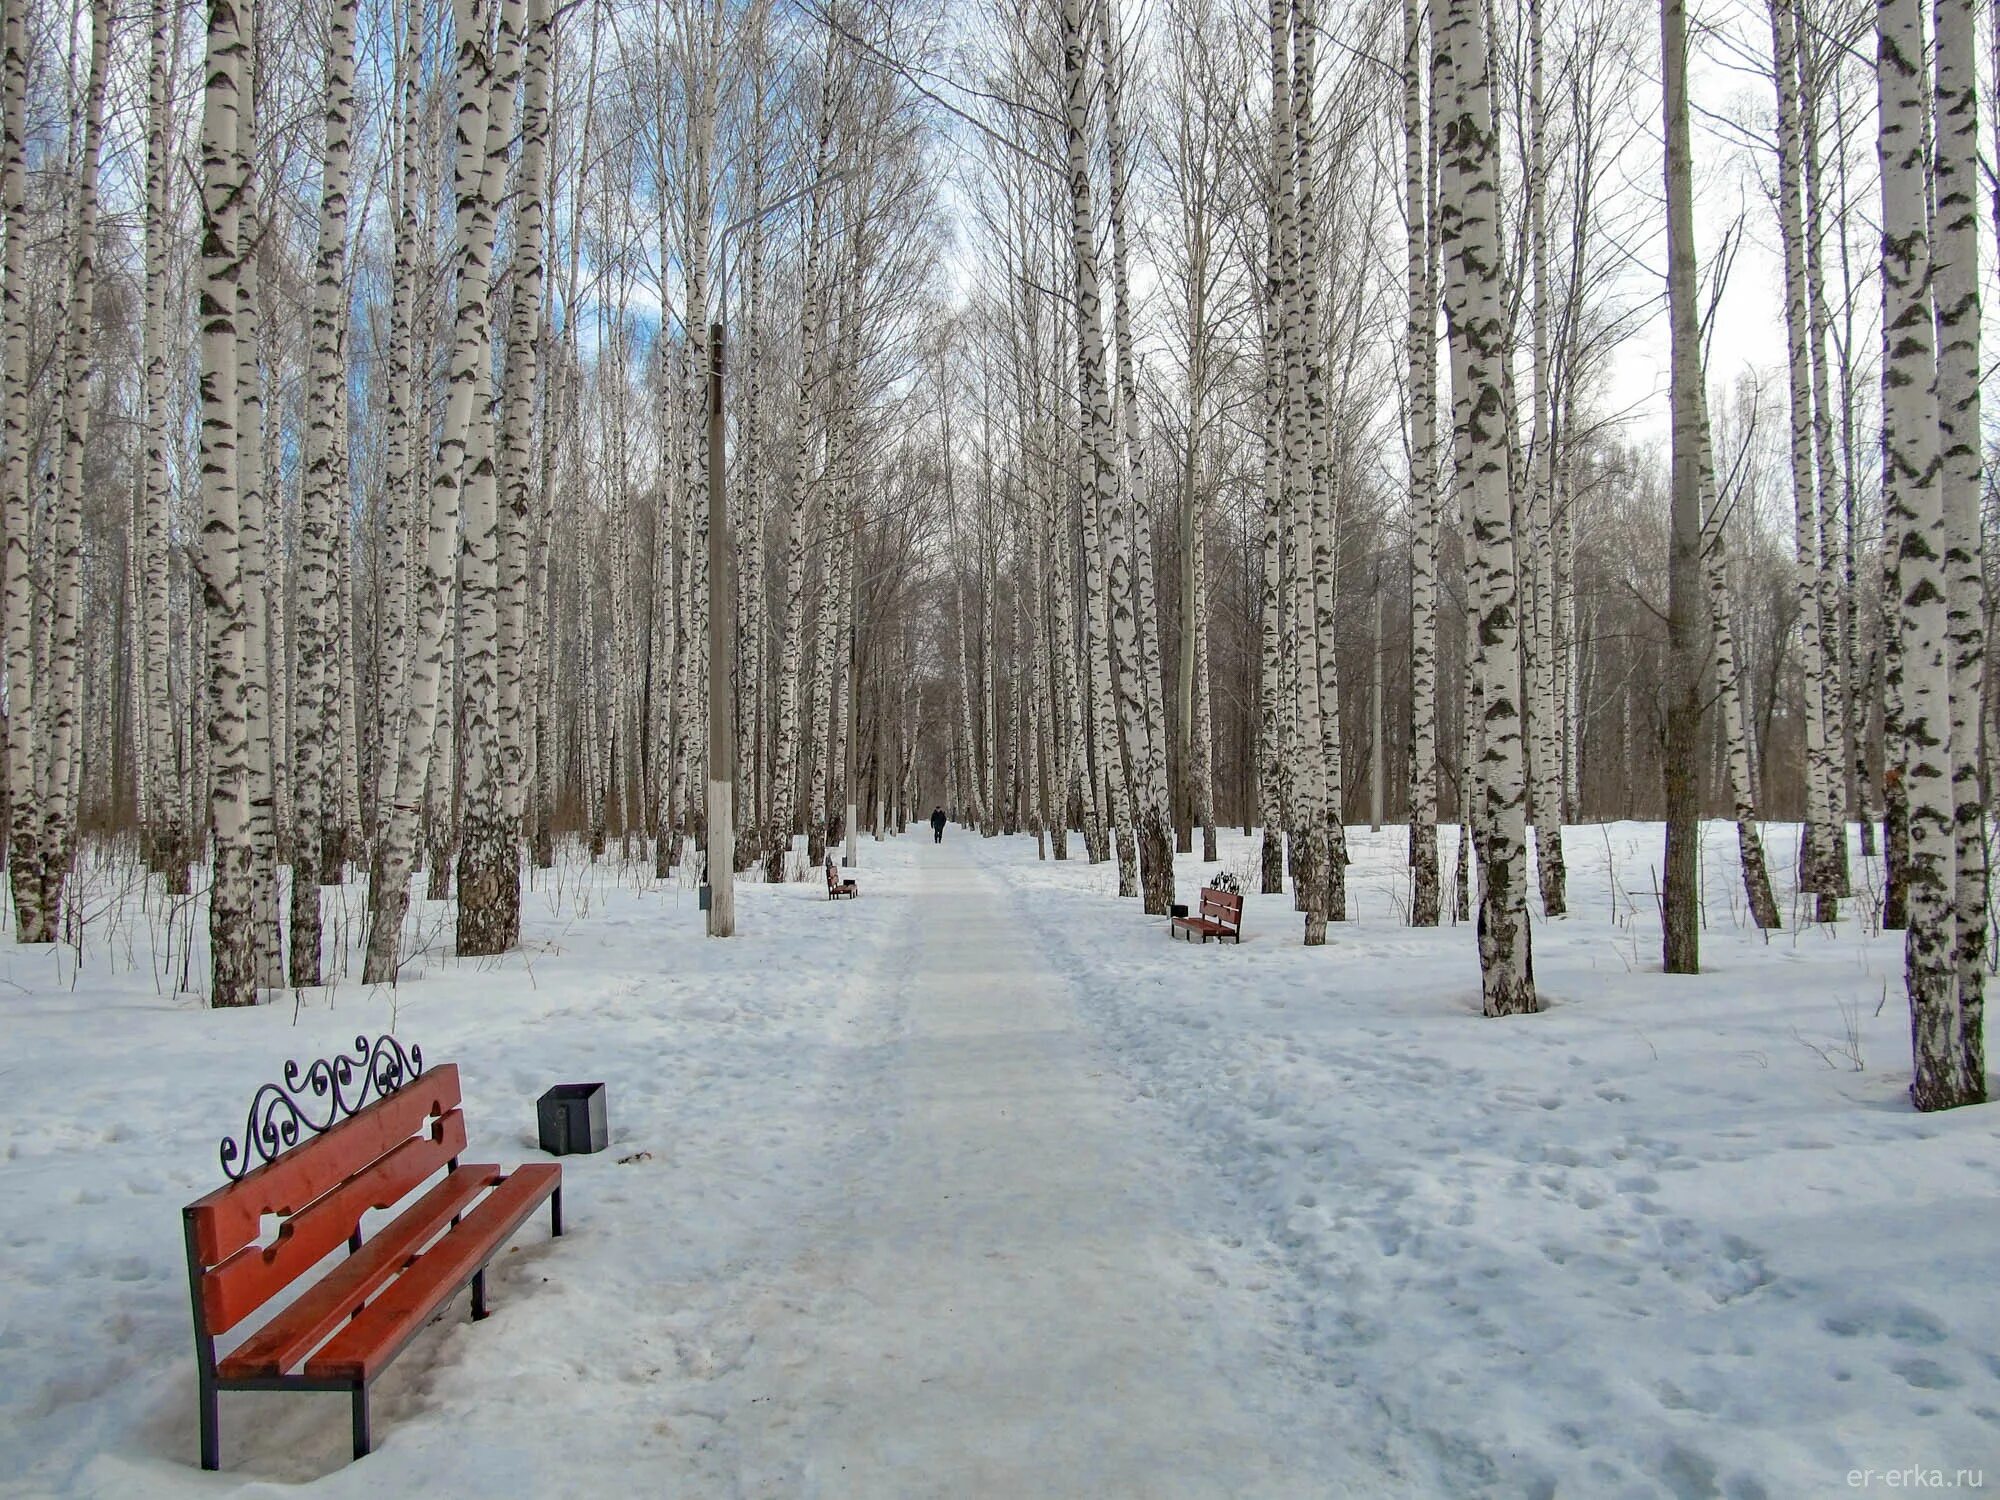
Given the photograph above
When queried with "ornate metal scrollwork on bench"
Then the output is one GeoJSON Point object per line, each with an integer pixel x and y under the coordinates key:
{"type": "Point", "coordinates": [315, 1096]}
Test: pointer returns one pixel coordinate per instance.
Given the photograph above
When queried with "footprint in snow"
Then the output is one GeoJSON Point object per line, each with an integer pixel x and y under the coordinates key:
{"type": "Point", "coordinates": [1926, 1374]}
{"type": "Point", "coordinates": [1905, 1325]}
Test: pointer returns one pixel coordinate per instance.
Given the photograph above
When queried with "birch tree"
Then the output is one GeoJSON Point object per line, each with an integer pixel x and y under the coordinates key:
{"type": "Point", "coordinates": [1960, 480]}
{"type": "Point", "coordinates": [233, 979]}
{"type": "Point", "coordinates": [489, 863]}
{"type": "Point", "coordinates": [1545, 743]}
{"type": "Point", "coordinates": [17, 586]}
{"type": "Point", "coordinates": [1421, 362]}
{"type": "Point", "coordinates": [1468, 207]}
{"type": "Point", "coordinates": [1139, 660]}
{"type": "Point", "coordinates": [1945, 1016]}
{"type": "Point", "coordinates": [324, 490]}
{"type": "Point", "coordinates": [1818, 858]}
{"type": "Point", "coordinates": [482, 126]}
{"type": "Point", "coordinates": [60, 719]}
{"type": "Point", "coordinates": [165, 773]}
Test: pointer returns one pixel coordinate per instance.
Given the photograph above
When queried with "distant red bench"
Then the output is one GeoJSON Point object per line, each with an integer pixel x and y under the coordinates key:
{"type": "Point", "coordinates": [1219, 916]}
{"type": "Point", "coordinates": [346, 1325]}
{"type": "Point", "coordinates": [837, 887]}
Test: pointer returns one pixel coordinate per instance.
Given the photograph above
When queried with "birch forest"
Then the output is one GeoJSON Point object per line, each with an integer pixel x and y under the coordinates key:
{"type": "Point", "coordinates": [715, 433]}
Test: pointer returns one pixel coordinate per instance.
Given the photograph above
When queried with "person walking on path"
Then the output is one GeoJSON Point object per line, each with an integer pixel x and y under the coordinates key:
{"type": "Point", "coordinates": [937, 825]}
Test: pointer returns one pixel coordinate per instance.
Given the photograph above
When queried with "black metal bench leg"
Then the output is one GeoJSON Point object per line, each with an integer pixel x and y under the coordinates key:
{"type": "Point", "coordinates": [211, 1426]}
{"type": "Point", "coordinates": [555, 1214]}
{"type": "Point", "coordinates": [479, 1294]}
{"type": "Point", "coordinates": [362, 1442]}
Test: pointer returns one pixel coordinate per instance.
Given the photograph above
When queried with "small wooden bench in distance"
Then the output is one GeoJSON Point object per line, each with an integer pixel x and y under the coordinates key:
{"type": "Point", "coordinates": [837, 887]}
{"type": "Point", "coordinates": [1220, 916]}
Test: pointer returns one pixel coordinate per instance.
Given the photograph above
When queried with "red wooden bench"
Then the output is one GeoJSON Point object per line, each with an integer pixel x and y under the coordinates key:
{"type": "Point", "coordinates": [342, 1326]}
{"type": "Point", "coordinates": [837, 887]}
{"type": "Point", "coordinates": [1219, 916]}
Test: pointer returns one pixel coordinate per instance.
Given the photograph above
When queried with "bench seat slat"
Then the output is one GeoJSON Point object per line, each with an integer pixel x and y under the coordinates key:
{"type": "Point", "coordinates": [368, 1343]}
{"type": "Point", "coordinates": [293, 1333]}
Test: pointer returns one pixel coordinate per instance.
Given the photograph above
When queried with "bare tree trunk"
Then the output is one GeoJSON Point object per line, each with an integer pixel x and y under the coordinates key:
{"type": "Point", "coordinates": [1729, 693]}
{"type": "Point", "coordinates": [1468, 212]}
{"type": "Point", "coordinates": [785, 763]}
{"type": "Point", "coordinates": [1545, 743]}
{"type": "Point", "coordinates": [60, 707]}
{"type": "Point", "coordinates": [516, 460]}
{"type": "Point", "coordinates": [1106, 591]}
{"type": "Point", "coordinates": [1833, 695]}
{"type": "Point", "coordinates": [1421, 359]}
{"type": "Point", "coordinates": [17, 592]}
{"type": "Point", "coordinates": [1818, 861]}
{"type": "Point", "coordinates": [488, 849]}
{"type": "Point", "coordinates": [1139, 658]}
{"type": "Point", "coordinates": [1681, 926]}
{"type": "Point", "coordinates": [1946, 947]}
{"type": "Point", "coordinates": [404, 419]}
{"type": "Point", "coordinates": [232, 953]}
{"type": "Point", "coordinates": [471, 350]}
{"type": "Point", "coordinates": [165, 833]}
{"type": "Point", "coordinates": [324, 489]}
{"type": "Point", "coordinates": [253, 486]}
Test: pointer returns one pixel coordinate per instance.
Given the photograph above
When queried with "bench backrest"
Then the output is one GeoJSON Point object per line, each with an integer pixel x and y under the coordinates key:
{"type": "Point", "coordinates": [372, 1159]}
{"type": "Point", "coordinates": [832, 879]}
{"type": "Point", "coordinates": [1225, 907]}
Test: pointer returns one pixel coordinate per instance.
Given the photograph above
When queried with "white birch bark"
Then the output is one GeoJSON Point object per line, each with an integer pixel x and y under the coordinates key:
{"type": "Point", "coordinates": [469, 356]}
{"type": "Point", "coordinates": [1914, 504]}
{"type": "Point", "coordinates": [489, 864]}
{"type": "Point", "coordinates": [233, 979]}
{"type": "Point", "coordinates": [1145, 712]}
{"type": "Point", "coordinates": [1066, 702]}
{"type": "Point", "coordinates": [59, 707]}
{"type": "Point", "coordinates": [785, 761]}
{"type": "Point", "coordinates": [517, 450]}
{"type": "Point", "coordinates": [1421, 364]}
{"type": "Point", "coordinates": [17, 588]}
{"type": "Point", "coordinates": [165, 833]}
{"type": "Point", "coordinates": [976, 810]}
{"type": "Point", "coordinates": [1819, 323]}
{"type": "Point", "coordinates": [1468, 213]}
{"type": "Point", "coordinates": [1545, 744]}
{"type": "Point", "coordinates": [1273, 710]}
{"type": "Point", "coordinates": [1292, 47]}
{"type": "Point", "coordinates": [1817, 837]}
{"type": "Point", "coordinates": [1955, 270]}
{"type": "Point", "coordinates": [253, 488]}
{"type": "Point", "coordinates": [404, 420]}
{"type": "Point", "coordinates": [324, 489]}
{"type": "Point", "coordinates": [1729, 696]}
{"type": "Point", "coordinates": [753, 492]}
{"type": "Point", "coordinates": [1103, 517]}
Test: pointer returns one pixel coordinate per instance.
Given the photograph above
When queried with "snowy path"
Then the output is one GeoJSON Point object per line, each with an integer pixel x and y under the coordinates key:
{"type": "Point", "coordinates": [1018, 1304]}
{"type": "Point", "coordinates": [979, 1187]}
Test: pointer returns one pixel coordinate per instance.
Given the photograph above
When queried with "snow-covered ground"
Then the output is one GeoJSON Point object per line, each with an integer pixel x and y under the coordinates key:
{"type": "Point", "coordinates": [977, 1186]}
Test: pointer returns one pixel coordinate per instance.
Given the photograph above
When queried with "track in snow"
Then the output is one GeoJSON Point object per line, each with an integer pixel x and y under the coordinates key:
{"type": "Point", "coordinates": [1018, 1298]}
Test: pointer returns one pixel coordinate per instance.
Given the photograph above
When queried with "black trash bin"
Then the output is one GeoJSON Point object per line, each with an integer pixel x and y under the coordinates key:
{"type": "Point", "coordinates": [571, 1119]}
